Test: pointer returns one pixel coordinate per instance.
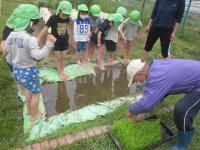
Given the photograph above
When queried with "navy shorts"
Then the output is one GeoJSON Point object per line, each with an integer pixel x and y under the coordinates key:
{"type": "Point", "coordinates": [111, 46]}
{"type": "Point", "coordinates": [61, 43]}
{"type": "Point", "coordinates": [81, 46]}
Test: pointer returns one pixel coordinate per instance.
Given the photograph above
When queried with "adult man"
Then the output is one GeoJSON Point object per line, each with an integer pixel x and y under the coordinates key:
{"type": "Point", "coordinates": [164, 23]}
{"type": "Point", "coordinates": [168, 77]}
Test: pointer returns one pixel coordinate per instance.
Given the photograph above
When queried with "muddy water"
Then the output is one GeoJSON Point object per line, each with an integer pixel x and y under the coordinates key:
{"type": "Point", "coordinates": [63, 96]}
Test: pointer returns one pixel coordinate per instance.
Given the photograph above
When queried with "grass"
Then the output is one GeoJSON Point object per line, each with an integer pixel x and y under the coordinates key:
{"type": "Point", "coordinates": [11, 130]}
{"type": "Point", "coordinates": [102, 142]}
{"type": "Point", "coordinates": [136, 135]}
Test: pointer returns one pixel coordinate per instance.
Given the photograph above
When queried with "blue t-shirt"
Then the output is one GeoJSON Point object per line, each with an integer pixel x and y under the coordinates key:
{"type": "Point", "coordinates": [167, 12]}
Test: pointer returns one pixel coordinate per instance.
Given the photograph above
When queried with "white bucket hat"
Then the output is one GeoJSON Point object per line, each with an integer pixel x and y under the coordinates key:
{"type": "Point", "coordinates": [134, 67]}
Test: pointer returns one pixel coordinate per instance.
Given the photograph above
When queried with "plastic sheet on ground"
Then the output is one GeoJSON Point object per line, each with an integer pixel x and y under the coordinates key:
{"type": "Point", "coordinates": [50, 74]}
{"type": "Point", "coordinates": [46, 126]}
{"type": "Point", "coordinates": [50, 125]}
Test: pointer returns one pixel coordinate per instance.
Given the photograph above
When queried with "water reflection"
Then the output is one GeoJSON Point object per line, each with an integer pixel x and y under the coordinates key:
{"type": "Point", "coordinates": [86, 90]}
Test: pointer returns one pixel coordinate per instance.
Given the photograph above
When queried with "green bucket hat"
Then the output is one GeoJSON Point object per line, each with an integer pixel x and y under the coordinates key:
{"type": "Point", "coordinates": [82, 7]}
{"type": "Point", "coordinates": [95, 10]}
{"type": "Point", "coordinates": [23, 14]}
{"type": "Point", "coordinates": [21, 24]}
{"type": "Point", "coordinates": [65, 7]}
{"type": "Point", "coordinates": [134, 16]}
{"type": "Point", "coordinates": [122, 11]}
{"type": "Point", "coordinates": [116, 18]}
{"type": "Point", "coordinates": [11, 20]}
{"type": "Point", "coordinates": [28, 11]}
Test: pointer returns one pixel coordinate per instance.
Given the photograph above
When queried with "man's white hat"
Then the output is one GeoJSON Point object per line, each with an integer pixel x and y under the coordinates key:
{"type": "Point", "coordinates": [134, 67]}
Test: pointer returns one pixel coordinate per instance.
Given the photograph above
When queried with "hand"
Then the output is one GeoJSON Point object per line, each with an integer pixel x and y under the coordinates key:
{"type": "Point", "coordinates": [147, 29]}
{"type": "Point", "coordinates": [173, 36]}
{"type": "Point", "coordinates": [129, 115]}
{"type": "Point", "coordinates": [51, 38]}
{"type": "Point", "coordinates": [138, 117]}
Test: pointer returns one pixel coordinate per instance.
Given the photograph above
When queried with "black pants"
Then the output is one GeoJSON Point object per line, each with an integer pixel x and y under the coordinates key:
{"type": "Point", "coordinates": [185, 110]}
{"type": "Point", "coordinates": [164, 35]}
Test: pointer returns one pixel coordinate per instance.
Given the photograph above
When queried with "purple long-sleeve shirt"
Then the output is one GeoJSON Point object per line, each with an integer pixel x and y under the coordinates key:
{"type": "Point", "coordinates": [168, 77]}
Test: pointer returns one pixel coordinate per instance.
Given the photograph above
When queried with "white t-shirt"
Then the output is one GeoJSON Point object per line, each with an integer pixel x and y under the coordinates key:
{"type": "Point", "coordinates": [23, 50]}
{"type": "Point", "coordinates": [82, 30]}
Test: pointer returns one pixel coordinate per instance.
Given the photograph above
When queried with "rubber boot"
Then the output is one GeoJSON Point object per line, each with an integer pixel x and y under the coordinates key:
{"type": "Point", "coordinates": [184, 139]}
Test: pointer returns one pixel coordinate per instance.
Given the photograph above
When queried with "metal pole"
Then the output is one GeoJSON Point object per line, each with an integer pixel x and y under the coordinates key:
{"type": "Point", "coordinates": [142, 10]}
{"type": "Point", "coordinates": [186, 16]}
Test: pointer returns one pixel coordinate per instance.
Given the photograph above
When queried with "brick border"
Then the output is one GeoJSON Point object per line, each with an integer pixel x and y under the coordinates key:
{"type": "Point", "coordinates": [67, 139]}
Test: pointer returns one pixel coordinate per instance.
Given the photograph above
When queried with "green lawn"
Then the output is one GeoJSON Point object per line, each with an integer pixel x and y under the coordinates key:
{"type": "Point", "coordinates": [11, 129]}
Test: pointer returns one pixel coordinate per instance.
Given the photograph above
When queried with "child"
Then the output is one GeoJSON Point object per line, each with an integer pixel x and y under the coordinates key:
{"type": "Point", "coordinates": [58, 24]}
{"type": "Point", "coordinates": [23, 53]}
{"type": "Point", "coordinates": [108, 32]}
{"type": "Point", "coordinates": [10, 25]}
{"type": "Point", "coordinates": [131, 28]}
{"type": "Point", "coordinates": [122, 11]}
{"type": "Point", "coordinates": [81, 33]}
{"type": "Point", "coordinates": [95, 24]}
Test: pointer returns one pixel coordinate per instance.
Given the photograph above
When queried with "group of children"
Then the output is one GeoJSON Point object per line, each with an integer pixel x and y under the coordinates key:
{"type": "Point", "coordinates": [22, 50]}
{"type": "Point", "coordinates": [90, 32]}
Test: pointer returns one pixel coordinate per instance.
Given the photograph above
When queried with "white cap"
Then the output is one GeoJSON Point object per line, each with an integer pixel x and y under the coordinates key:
{"type": "Point", "coordinates": [134, 67]}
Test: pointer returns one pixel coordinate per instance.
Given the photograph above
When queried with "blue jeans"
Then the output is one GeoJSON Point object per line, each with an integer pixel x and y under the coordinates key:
{"type": "Point", "coordinates": [81, 46]}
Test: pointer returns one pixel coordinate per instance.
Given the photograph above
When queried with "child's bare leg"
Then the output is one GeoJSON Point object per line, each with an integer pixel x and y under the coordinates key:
{"type": "Point", "coordinates": [58, 62]}
{"type": "Point", "coordinates": [89, 52]}
{"type": "Point", "coordinates": [28, 96]}
{"type": "Point", "coordinates": [83, 56]}
{"type": "Point", "coordinates": [64, 76]}
{"type": "Point", "coordinates": [112, 58]}
{"type": "Point", "coordinates": [34, 107]}
{"type": "Point", "coordinates": [78, 58]}
{"type": "Point", "coordinates": [100, 58]}
{"type": "Point", "coordinates": [108, 59]}
{"type": "Point", "coordinates": [129, 52]}
{"type": "Point", "coordinates": [92, 51]}
{"type": "Point", "coordinates": [125, 50]}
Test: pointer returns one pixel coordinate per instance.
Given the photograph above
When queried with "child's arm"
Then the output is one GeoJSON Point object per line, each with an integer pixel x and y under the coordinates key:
{"type": "Point", "coordinates": [121, 31]}
{"type": "Point", "coordinates": [75, 32]}
{"type": "Point", "coordinates": [44, 32]}
{"type": "Point", "coordinates": [38, 53]}
{"type": "Point", "coordinates": [89, 33]}
{"type": "Point", "coordinates": [139, 29]}
{"type": "Point", "coordinates": [99, 39]}
{"type": "Point", "coordinates": [3, 48]}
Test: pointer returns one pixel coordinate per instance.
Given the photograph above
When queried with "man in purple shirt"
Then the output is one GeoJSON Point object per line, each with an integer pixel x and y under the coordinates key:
{"type": "Point", "coordinates": [165, 77]}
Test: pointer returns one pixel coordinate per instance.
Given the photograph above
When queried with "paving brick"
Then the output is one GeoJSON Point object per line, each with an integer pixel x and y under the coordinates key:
{"type": "Point", "coordinates": [105, 128]}
{"type": "Point", "coordinates": [77, 137]}
{"type": "Point", "coordinates": [69, 139]}
{"type": "Point", "coordinates": [83, 134]}
{"type": "Point", "coordinates": [36, 146]}
{"type": "Point", "coordinates": [27, 147]}
{"type": "Point", "coordinates": [90, 132]}
{"type": "Point", "coordinates": [62, 141]}
{"type": "Point", "coordinates": [45, 145]}
{"type": "Point", "coordinates": [98, 130]}
{"type": "Point", "coordinates": [53, 143]}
